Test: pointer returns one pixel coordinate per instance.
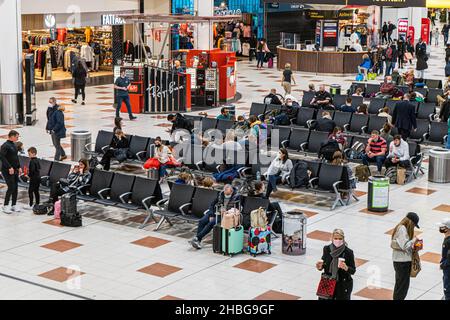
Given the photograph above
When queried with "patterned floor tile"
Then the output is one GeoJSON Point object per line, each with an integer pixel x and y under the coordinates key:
{"type": "Point", "coordinates": [443, 208]}
{"type": "Point", "coordinates": [423, 191]}
{"type": "Point", "coordinates": [359, 262]}
{"type": "Point", "coordinates": [276, 295]}
{"type": "Point", "coordinates": [168, 297]}
{"type": "Point", "coordinates": [61, 274]}
{"type": "Point", "coordinates": [151, 242]}
{"type": "Point", "coordinates": [160, 270]}
{"type": "Point", "coordinates": [320, 235]}
{"type": "Point", "coordinates": [54, 222]}
{"type": "Point", "coordinates": [431, 257]}
{"type": "Point", "coordinates": [255, 265]}
{"type": "Point", "coordinates": [62, 245]}
{"type": "Point", "coordinates": [359, 193]}
{"type": "Point", "coordinates": [376, 213]}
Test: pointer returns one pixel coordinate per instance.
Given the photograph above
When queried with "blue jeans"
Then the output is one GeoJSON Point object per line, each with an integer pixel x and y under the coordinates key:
{"type": "Point", "coordinates": [390, 66]}
{"type": "Point", "coordinates": [260, 58]}
{"type": "Point", "coordinates": [281, 119]}
{"type": "Point", "coordinates": [446, 281]}
{"type": "Point", "coordinates": [448, 141]}
{"type": "Point", "coordinates": [206, 224]}
{"type": "Point", "coordinates": [272, 185]}
{"type": "Point", "coordinates": [378, 159]}
{"type": "Point", "coordinates": [162, 171]}
{"type": "Point", "coordinates": [119, 105]}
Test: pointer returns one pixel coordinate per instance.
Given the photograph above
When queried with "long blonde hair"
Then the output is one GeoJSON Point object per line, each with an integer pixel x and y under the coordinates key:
{"type": "Point", "coordinates": [409, 225]}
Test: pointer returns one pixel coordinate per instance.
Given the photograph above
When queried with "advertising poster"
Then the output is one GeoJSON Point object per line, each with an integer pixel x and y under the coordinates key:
{"type": "Point", "coordinates": [402, 28]}
{"type": "Point", "coordinates": [330, 33]}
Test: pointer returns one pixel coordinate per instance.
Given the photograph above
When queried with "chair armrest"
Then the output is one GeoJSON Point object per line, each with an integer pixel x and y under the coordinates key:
{"type": "Point", "coordinates": [217, 168]}
{"type": "Point", "coordinates": [104, 148]}
{"type": "Point", "coordinates": [242, 171]}
{"type": "Point", "coordinates": [45, 178]}
{"type": "Point", "coordinates": [346, 126]}
{"type": "Point", "coordinates": [100, 193]}
{"type": "Point", "coordinates": [445, 138]}
{"type": "Point", "coordinates": [161, 202]}
{"type": "Point", "coordinates": [311, 181]}
{"type": "Point", "coordinates": [309, 123]}
{"type": "Point", "coordinates": [304, 146]}
{"type": "Point", "coordinates": [364, 129]}
{"type": "Point", "coordinates": [121, 197]}
{"type": "Point", "coordinates": [284, 143]}
{"type": "Point", "coordinates": [335, 185]}
{"type": "Point", "coordinates": [426, 136]}
{"type": "Point", "coordinates": [88, 145]}
{"type": "Point", "coordinates": [293, 121]}
{"type": "Point", "coordinates": [198, 165]}
{"type": "Point", "coordinates": [181, 208]}
{"type": "Point", "coordinates": [145, 200]}
{"type": "Point", "coordinates": [138, 155]}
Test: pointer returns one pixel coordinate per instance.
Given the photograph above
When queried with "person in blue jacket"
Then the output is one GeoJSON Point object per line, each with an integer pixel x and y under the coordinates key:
{"type": "Point", "coordinates": [57, 129]}
{"type": "Point", "coordinates": [365, 66]}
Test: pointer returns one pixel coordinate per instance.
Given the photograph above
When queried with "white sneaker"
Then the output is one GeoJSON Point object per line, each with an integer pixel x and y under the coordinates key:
{"type": "Point", "coordinates": [28, 207]}
{"type": "Point", "coordinates": [16, 208]}
{"type": "Point", "coordinates": [99, 167]}
{"type": "Point", "coordinates": [6, 209]}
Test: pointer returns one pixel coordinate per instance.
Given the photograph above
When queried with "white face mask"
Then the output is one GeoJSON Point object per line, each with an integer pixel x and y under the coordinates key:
{"type": "Point", "coordinates": [227, 196]}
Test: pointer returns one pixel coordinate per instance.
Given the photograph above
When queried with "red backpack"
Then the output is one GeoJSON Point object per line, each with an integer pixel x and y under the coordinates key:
{"type": "Point", "coordinates": [389, 53]}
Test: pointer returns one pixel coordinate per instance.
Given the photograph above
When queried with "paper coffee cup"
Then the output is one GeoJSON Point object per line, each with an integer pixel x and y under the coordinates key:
{"type": "Point", "coordinates": [341, 260]}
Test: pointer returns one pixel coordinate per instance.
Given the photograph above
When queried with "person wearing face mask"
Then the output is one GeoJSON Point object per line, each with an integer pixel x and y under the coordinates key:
{"type": "Point", "coordinates": [403, 244]}
{"type": "Point", "coordinates": [227, 199]}
{"type": "Point", "coordinates": [287, 113]}
{"type": "Point", "coordinates": [241, 124]}
{"type": "Point", "coordinates": [280, 168]}
{"type": "Point", "coordinates": [338, 261]}
{"type": "Point", "coordinates": [387, 88]}
{"type": "Point", "coordinates": [444, 228]}
{"type": "Point", "coordinates": [117, 149]}
{"type": "Point", "coordinates": [398, 153]}
{"type": "Point", "coordinates": [375, 150]}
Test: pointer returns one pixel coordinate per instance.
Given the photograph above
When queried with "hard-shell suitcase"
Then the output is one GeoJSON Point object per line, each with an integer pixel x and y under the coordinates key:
{"type": "Point", "coordinates": [259, 241]}
{"type": "Point", "coordinates": [69, 214]}
{"type": "Point", "coordinates": [270, 63]}
{"type": "Point", "coordinates": [217, 239]}
{"type": "Point", "coordinates": [233, 240]}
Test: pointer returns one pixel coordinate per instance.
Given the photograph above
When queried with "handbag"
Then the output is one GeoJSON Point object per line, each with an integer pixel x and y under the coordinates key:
{"type": "Point", "coordinates": [415, 264]}
{"type": "Point", "coordinates": [231, 219]}
{"type": "Point", "coordinates": [152, 163]}
{"type": "Point", "coordinates": [401, 175]}
{"type": "Point", "coordinates": [326, 288]}
{"type": "Point", "coordinates": [258, 218]}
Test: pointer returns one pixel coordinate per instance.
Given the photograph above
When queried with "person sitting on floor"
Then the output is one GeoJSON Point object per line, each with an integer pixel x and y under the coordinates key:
{"type": "Point", "coordinates": [227, 199]}
{"type": "Point", "coordinates": [79, 176]}
{"type": "Point", "coordinates": [118, 149]}
{"type": "Point", "coordinates": [325, 123]}
{"type": "Point", "coordinates": [348, 107]}
{"type": "Point", "coordinates": [398, 153]}
{"type": "Point", "coordinates": [375, 150]}
{"type": "Point", "coordinates": [280, 168]}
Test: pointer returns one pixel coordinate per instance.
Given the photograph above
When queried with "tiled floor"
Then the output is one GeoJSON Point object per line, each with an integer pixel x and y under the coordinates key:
{"type": "Point", "coordinates": [111, 258]}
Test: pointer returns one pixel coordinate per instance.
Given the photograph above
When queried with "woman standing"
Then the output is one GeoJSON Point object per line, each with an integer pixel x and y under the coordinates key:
{"type": "Point", "coordinates": [338, 262]}
{"type": "Point", "coordinates": [287, 78]}
{"type": "Point", "coordinates": [401, 48]}
{"type": "Point", "coordinates": [403, 243]}
{"type": "Point", "coordinates": [279, 170]}
{"type": "Point", "coordinates": [261, 51]}
{"type": "Point", "coordinates": [79, 76]}
{"type": "Point", "coordinates": [410, 49]}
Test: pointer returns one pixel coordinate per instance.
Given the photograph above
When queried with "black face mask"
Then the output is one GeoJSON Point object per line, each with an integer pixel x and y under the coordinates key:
{"type": "Point", "coordinates": [443, 230]}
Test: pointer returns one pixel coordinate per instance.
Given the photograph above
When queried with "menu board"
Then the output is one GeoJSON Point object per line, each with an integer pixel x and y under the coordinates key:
{"type": "Point", "coordinates": [193, 73]}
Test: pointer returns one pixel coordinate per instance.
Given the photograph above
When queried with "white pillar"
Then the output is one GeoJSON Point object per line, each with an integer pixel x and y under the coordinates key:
{"type": "Point", "coordinates": [204, 39]}
{"type": "Point", "coordinates": [10, 61]}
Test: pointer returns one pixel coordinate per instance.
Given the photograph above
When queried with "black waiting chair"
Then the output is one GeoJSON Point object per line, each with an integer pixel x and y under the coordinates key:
{"type": "Point", "coordinates": [375, 123]}
{"type": "Point", "coordinates": [280, 134]}
{"type": "Point", "coordinates": [119, 192]}
{"type": "Point", "coordinates": [342, 118]}
{"type": "Point", "coordinates": [102, 142]}
{"type": "Point", "coordinates": [329, 181]}
{"type": "Point", "coordinates": [224, 126]}
{"type": "Point", "coordinates": [248, 205]}
{"type": "Point", "coordinates": [425, 111]}
{"type": "Point", "coordinates": [304, 116]}
{"type": "Point", "coordinates": [433, 83]}
{"type": "Point", "coordinates": [433, 93]}
{"type": "Point", "coordinates": [192, 156]}
{"type": "Point", "coordinates": [138, 148]}
{"type": "Point", "coordinates": [272, 107]}
{"type": "Point", "coordinates": [404, 89]}
{"type": "Point", "coordinates": [358, 123]}
{"type": "Point", "coordinates": [46, 166]}
{"type": "Point", "coordinates": [315, 142]}
{"type": "Point", "coordinates": [375, 105]}
{"type": "Point", "coordinates": [199, 206]}
{"type": "Point", "coordinates": [422, 91]}
{"type": "Point", "coordinates": [357, 101]}
{"type": "Point", "coordinates": [59, 170]}
{"type": "Point", "coordinates": [208, 124]}
{"type": "Point", "coordinates": [213, 158]}
{"type": "Point", "coordinates": [321, 111]}
{"type": "Point", "coordinates": [307, 97]}
{"type": "Point", "coordinates": [298, 138]}
{"type": "Point", "coordinates": [372, 88]}
{"type": "Point", "coordinates": [339, 100]}
{"type": "Point", "coordinates": [180, 198]}
{"type": "Point", "coordinates": [257, 109]}
{"type": "Point", "coordinates": [423, 127]}
{"type": "Point", "coordinates": [391, 104]}
{"type": "Point", "coordinates": [438, 134]}
{"type": "Point", "coordinates": [100, 180]}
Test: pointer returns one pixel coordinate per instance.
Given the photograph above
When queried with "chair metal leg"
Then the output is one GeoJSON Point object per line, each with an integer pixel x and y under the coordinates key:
{"type": "Point", "coordinates": [274, 234]}
{"type": "Point", "coordinates": [145, 223]}
{"type": "Point", "coordinates": [160, 223]}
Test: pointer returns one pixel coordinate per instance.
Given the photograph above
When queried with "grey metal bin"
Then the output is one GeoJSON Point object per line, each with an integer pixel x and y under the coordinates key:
{"type": "Point", "coordinates": [439, 166]}
{"type": "Point", "coordinates": [79, 139]}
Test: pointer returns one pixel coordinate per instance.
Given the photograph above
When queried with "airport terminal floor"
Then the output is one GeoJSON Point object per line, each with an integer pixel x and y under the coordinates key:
{"type": "Point", "coordinates": [110, 257]}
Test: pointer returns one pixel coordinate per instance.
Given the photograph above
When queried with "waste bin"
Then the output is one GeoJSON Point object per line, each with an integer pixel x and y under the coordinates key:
{"type": "Point", "coordinates": [378, 197]}
{"type": "Point", "coordinates": [294, 233]}
{"type": "Point", "coordinates": [335, 89]}
{"type": "Point", "coordinates": [79, 139]}
{"type": "Point", "coordinates": [439, 165]}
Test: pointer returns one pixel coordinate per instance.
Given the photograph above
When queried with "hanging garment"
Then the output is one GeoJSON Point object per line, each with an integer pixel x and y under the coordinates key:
{"type": "Point", "coordinates": [87, 53]}
{"type": "Point", "coordinates": [88, 34]}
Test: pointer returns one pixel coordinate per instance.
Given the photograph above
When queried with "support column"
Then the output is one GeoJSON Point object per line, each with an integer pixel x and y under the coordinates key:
{"type": "Point", "coordinates": [204, 8]}
{"type": "Point", "coordinates": [11, 91]}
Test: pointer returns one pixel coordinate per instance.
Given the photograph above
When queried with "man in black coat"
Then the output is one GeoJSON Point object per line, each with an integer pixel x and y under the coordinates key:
{"type": "Point", "coordinates": [384, 32]}
{"type": "Point", "coordinates": [391, 28]}
{"type": "Point", "coordinates": [404, 117]}
{"type": "Point", "coordinates": [325, 124]}
{"type": "Point", "coordinates": [10, 170]}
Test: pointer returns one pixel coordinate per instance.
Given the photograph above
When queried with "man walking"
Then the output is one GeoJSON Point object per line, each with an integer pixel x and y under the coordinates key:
{"type": "Point", "coordinates": [10, 171]}
{"type": "Point", "coordinates": [444, 227]}
{"type": "Point", "coordinates": [57, 129]}
{"type": "Point", "coordinates": [122, 86]}
{"type": "Point", "coordinates": [384, 32]}
{"type": "Point", "coordinates": [404, 117]}
{"type": "Point", "coordinates": [391, 28]}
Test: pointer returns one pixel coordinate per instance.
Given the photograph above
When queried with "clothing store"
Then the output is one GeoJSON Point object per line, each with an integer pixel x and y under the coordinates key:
{"type": "Point", "coordinates": [61, 43]}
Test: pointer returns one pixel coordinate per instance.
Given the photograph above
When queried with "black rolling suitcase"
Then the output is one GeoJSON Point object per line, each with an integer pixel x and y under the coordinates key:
{"type": "Point", "coordinates": [69, 214]}
{"type": "Point", "coordinates": [217, 239]}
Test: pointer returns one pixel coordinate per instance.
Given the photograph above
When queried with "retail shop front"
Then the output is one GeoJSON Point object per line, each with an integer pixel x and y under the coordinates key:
{"type": "Point", "coordinates": [58, 42]}
{"type": "Point", "coordinates": [326, 36]}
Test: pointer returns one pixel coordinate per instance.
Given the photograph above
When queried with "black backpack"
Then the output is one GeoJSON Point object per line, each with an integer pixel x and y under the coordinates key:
{"type": "Point", "coordinates": [299, 175]}
{"type": "Point", "coordinates": [328, 149]}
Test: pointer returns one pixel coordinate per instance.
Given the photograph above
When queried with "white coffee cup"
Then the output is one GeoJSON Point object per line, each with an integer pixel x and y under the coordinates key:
{"type": "Point", "coordinates": [341, 260]}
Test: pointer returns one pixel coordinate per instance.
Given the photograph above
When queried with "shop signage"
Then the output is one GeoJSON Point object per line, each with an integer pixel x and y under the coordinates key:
{"type": "Point", "coordinates": [411, 33]}
{"type": "Point", "coordinates": [425, 30]}
{"type": "Point", "coordinates": [166, 91]}
{"type": "Point", "coordinates": [112, 20]}
{"type": "Point", "coordinates": [221, 12]}
{"type": "Point", "coordinates": [402, 27]}
{"type": "Point", "coordinates": [381, 3]}
{"type": "Point", "coordinates": [157, 91]}
{"type": "Point", "coordinates": [274, 5]}
{"type": "Point", "coordinates": [330, 29]}
{"type": "Point", "coordinates": [318, 33]}
{"type": "Point", "coordinates": [329, 14]}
